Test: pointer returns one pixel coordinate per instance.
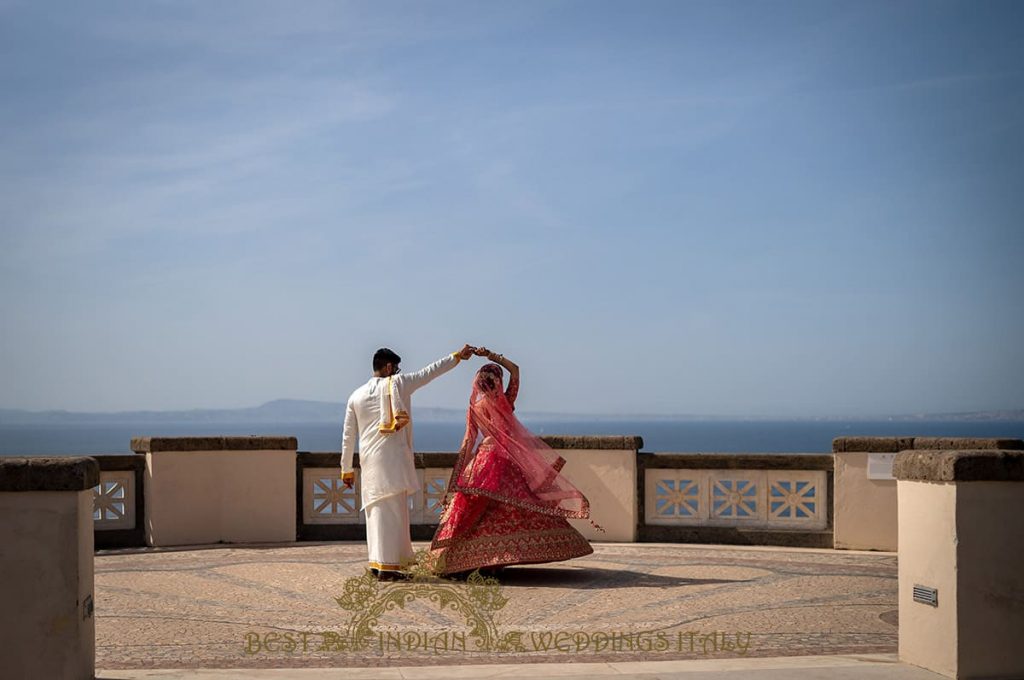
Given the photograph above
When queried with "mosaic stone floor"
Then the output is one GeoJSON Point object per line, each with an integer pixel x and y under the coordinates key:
{"type": "Point", "coordinates": [275, 607]}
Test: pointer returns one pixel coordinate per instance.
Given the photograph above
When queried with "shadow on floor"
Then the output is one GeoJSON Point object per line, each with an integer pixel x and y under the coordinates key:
{"type": "Point", "coordinates": [554, 577]}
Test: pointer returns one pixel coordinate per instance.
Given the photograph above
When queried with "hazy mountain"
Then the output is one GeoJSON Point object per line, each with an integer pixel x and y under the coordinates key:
{"type": "Point", "coordinates": [278, 411]}
{"type": "Point", "coordinates": [1011, 415]}
{"type": "Point", "coordinates": [304, 411]}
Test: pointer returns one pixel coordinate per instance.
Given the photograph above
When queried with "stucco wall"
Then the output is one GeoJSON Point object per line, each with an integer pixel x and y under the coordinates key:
{"type": "Point", "coordinates": [197, 497]}
{"type": "Point", "coordinates": [46, 551]}
{"type": "Point", "coordinates": [990, 571]}
{"type": "Point", "coordinates": [865, 509]}
{"type": "Point", "coordinates": [927, 556]}
{"type": "Point", "coordinates": [608, 479]}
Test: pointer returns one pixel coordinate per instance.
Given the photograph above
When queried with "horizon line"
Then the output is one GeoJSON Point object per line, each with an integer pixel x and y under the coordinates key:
{"type": "Point", "coordinates": [1009, 413]}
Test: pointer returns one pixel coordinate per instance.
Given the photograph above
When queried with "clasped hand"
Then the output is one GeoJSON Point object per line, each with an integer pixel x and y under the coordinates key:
{"type": "Point", "coordinates": [469, 350]}
{"type": "Point", "coordinates": [484, 352]}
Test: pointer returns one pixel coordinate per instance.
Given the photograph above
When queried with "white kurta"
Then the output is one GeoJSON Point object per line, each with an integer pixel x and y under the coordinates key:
{"type": "Point", "coordinates": [387, 470]}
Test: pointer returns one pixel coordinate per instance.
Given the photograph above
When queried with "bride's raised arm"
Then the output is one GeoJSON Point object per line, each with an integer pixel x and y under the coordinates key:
{"type": "Point", "coordinates": [508, 364]}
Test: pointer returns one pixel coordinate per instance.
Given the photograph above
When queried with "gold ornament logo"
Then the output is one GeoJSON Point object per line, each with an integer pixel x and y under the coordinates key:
{"type": "Point", "coordinates": [475, 602]}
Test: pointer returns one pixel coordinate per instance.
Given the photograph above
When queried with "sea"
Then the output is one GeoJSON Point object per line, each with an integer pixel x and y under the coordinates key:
{"type": "Point", "coordinates": [750, 436]}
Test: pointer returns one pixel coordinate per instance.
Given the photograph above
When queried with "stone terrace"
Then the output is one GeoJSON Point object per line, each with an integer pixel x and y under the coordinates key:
{"type": "Point", "coordinates": [192, 608]}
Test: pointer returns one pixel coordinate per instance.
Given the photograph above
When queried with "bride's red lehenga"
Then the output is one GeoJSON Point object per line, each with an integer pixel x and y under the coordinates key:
{"type": "Point", "coordinates": [507, 502]}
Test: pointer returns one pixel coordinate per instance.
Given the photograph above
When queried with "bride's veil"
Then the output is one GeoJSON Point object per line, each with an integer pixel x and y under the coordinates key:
{"type": "Point", "coordinates": [490, 414]}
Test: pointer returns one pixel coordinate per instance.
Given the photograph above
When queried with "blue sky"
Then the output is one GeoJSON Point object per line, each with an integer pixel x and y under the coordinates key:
{"type": "Point", "coordinates": [799, 208]}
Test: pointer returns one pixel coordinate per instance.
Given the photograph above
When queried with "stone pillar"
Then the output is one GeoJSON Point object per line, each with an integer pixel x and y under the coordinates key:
{"type": "Point", "coordinates": [47, 623]}
{"type": "Point", "coordinates": [865, 491]}
{"type": "Point", "coordinates": [960, 539]}
{"type": "Point", "coordinates": [201, 490]}
{"type": "Point", "coordinates": [604, 469]}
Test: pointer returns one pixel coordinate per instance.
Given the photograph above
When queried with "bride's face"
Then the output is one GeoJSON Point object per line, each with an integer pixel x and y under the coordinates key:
{"type": "Point", "coordinates": [488, 380]}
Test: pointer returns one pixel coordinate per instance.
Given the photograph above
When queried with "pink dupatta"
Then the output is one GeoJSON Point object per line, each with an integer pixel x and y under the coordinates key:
{"type": "Point", "coordinates": [517, 451]}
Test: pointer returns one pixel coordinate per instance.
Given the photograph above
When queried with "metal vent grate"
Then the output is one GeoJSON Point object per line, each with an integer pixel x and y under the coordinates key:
{"type": "Point", "coordinates": [926, 595]}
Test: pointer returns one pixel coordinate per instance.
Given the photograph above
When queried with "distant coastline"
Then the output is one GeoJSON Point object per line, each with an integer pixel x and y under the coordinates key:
{"type": "Point", "coordinates": [283, 411]}
{"type": "Point", "coordinates": [317, 424]}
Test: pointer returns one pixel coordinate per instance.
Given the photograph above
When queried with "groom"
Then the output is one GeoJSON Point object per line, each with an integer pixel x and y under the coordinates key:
{"type": "Point", "coordinates": [379, 415]}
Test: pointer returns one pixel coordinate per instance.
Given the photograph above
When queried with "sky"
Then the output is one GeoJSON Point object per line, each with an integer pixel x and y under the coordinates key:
{"type": "Point", "coordinates": [714, 208]}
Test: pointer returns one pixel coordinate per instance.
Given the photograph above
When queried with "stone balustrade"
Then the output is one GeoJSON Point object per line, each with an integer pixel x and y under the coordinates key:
{"type": "Point", "coordinates": [844, 500]}
{"type": "Point", "coordinates": [602, 467]}
{"type": "Point", "coordinates": [329, 511]}
{"type": "Point", "coordinates": [774, 499]}
{"type": "Point", "coordinates": [119, 513]}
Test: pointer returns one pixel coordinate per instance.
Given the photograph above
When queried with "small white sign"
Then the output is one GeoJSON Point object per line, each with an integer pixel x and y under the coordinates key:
{"type": "Point", "coordinates": [880, 465]}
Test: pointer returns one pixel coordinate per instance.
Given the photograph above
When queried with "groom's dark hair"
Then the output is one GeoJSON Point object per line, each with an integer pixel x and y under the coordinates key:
{"type": "Point", "coordinates": [384, 356]}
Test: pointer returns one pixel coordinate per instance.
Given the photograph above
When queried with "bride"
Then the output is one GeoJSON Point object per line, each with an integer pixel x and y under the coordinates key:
{"type": "Point", "coordinates": [507, 502]}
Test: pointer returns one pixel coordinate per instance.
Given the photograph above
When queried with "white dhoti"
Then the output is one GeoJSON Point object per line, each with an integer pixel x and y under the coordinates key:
{"type": "Point", "coordinates": [387, 533]}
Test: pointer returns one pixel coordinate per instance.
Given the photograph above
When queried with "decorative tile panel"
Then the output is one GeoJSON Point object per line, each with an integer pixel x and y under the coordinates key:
{"type": "Point", "coordinates": [675, 495]}
{"type": "Point", "coordinates": [797, 497]}
{"type": "Point", "coordinates": [677, 498]}
{"type": "Point", "coordinates": [757, 499]}
{"type": "Point", "coordinates": [327, 501]}
{"type": "Point", "coordinates": [435, 483]}
{"type": "Point", "coordinates": [114, 500]}
{"type": "Point", "coordinates": [416, 500]}
{"type": "Point", "coordinates": [736, 497]}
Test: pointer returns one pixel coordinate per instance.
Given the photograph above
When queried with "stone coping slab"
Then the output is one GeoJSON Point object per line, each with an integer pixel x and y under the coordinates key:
{"type": "Point", "coordinates": [250, 443]}
{"type": "Point", "coordinates": [422, 459]}
{"type": "Point", "coordinates": [728, 460]}
{"type": "Point", "coordinates": [66, 473]}
{"type": "Point", "coordinates": [737, 461]}
{"type": "Point", "coordinates": [596, 442]}
{"type": "Point", "coordinates": [966, 443]}
{"type": "Point", "coordinates": [121, 461]}
{"type": "Point", "coordinates": [897, 444]}
{"type": "Point", "coordinates": [265, 443]}
{"type": "Point", "coordinates": [979, 465]}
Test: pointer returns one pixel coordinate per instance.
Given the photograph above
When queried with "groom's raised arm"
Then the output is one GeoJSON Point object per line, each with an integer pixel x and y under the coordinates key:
{"type": "Point", "coordinates": [413, 381]}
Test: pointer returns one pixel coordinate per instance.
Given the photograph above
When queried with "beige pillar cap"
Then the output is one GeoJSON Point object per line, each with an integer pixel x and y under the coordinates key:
{"type": "Point", "coordinates": [64, 473]}
{"type": "Point", "coordinates": [980, 465]}
{"type": "Point", "coordinates": [243, 443]}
